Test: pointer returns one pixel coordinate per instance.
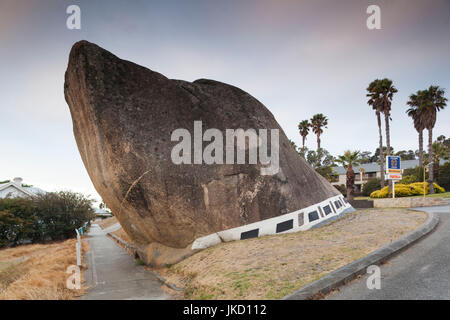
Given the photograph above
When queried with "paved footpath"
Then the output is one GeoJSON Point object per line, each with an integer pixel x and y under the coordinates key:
{"type": "Point", "coordinates": [420, 272]}
{"type": "Point", "coordinates": [112, 273]}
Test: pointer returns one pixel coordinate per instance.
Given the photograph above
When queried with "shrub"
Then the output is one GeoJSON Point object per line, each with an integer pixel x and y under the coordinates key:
{"type": "Point", "coordinates": [370, 186]}
{"type": "Point", "coordinates": [416, 172]}
{"type": "Point", "coordinates": [53, 216]}
{"type": "Point", "coordinates": [444, 176]}
{"type": "Point", "coordinates": [419, 187]}
{"type": "Point", "coordinates": [409, 179]}
{"type": "Point", "coordinates": [406, 190]}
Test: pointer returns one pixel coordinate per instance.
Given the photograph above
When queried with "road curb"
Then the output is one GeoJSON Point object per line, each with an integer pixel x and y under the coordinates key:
{"type": "Point", "coordinates": [350, 271]}
{"type": "Point", "coordinates": [128, 246]}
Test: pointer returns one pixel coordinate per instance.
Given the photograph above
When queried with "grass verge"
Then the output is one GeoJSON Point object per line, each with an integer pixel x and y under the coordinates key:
{"type": "Point", "coordinates": [38, 271]}
{"type": "Point", "coordinates": [273, 266]}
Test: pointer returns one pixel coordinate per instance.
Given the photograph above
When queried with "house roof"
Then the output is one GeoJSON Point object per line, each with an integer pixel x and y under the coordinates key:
{"type": "Point", "coordinates": [375, 167]}
{"type": "Point", "coordinates": [30, 191]}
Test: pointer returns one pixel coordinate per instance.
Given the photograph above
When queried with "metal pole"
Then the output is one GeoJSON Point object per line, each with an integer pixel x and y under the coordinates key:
{"type": "Point", "coordinates": [393, 189]}
{"type": "Point", "coordinates": [78, 248]}
{"type": "Point", "coordinates": [424, 170]}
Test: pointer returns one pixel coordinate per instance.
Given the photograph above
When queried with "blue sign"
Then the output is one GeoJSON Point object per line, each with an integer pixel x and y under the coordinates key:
{"type": "Point", "coordinates": [393, 162]}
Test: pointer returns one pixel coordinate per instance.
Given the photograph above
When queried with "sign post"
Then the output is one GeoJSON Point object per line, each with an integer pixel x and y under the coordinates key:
{"type": "Point", "coordinates": [78, 248]}
{"type": "Point", "coordinates": [393, 171]}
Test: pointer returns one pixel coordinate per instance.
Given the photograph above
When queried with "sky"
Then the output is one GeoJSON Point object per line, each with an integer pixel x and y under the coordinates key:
{"type": "Point", "coordinates": [298, 58]}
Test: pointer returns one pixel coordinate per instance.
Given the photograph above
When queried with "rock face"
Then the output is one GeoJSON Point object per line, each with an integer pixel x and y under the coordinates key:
{"type": "Point", "coordinates": [123, 117]}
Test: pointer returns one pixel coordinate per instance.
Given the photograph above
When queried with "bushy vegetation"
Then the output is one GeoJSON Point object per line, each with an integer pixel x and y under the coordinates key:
{"type": "Point", "coordinates": [52, 216]}
{"type": "Point", "coordinates": [444, 176]}
{"type": "Point", "coordinates": [406, 190]}
{"type": "Point", "coordinates": [370, 186]}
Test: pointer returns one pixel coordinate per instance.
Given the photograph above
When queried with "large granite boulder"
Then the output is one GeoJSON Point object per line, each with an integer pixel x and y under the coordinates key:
{"type": "Point", "coordinates": [123, 118]}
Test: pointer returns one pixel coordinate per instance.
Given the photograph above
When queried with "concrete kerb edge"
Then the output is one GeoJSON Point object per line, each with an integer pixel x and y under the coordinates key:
{"type": "Point", "coordinates": [129, 246]}
{"type": "Point", "coordinates": [350, 271]}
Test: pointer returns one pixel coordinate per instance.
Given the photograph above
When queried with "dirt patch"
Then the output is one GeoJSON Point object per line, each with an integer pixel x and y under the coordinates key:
{"type": "Point", "coordinates": [108, 222]}
{"type": "Point", "coordinates": [271, 267]}
{"type": "Point", "coordinates": [38, 271]}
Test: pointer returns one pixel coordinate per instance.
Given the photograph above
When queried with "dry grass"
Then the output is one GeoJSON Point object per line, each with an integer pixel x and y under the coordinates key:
{"type": "Point", "coordinates": [273, 266]}
{"type": "Point", "coordinates": [108, 222]}
{"type": "Point", "coordinates": [38, 271]}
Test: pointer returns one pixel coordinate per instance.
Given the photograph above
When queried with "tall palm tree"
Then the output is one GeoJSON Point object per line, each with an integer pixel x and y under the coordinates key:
{"type": "Point", "coordinates": [414, 111]}
{"type": "Point", "coordinates": [348, 160]}
{"type": "Point", "coordinates": [374, 101]}
{"type": "Point", "coordinates": [387, 91]}
{"type": "Point", "coordinates": [434, 101]}
{"type": "Point", "coordinates": [318, 122]}
{"type": "Point", "coordinates": [303, 127]}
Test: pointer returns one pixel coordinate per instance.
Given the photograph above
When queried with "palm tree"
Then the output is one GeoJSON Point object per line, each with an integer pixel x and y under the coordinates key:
{"type": "Point", "coordinates": [374, 101]}
{"type": "Point", "coordinates": [348, 160]}
{"type": "Point", "coordinates": [384, 92]}
{"type": "Point", "coordinates": [387, 91]}
{"type": "Point", "coordinates": [415, 102]}
{"type": "Point", "coordinates": [434, 101]}
{"type": "Point", "coordinates": [318, 122]}
{"type": "Point", "coordinates": [303, 127]}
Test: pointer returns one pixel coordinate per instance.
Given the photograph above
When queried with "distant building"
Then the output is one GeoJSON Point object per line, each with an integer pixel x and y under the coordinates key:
{"type": "Point", "coordinates": [15, 189]}
{"type": "Point", "coordinates": [367, 171]}
{"type": "Point", "coordinates": [102, 213]}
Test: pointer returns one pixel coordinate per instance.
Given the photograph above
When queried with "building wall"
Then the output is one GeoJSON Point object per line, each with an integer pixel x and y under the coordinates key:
{"type": "Point", "coordinates": [11, 192]}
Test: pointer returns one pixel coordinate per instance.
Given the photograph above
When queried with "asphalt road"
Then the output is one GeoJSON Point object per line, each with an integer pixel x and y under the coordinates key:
{"type": "Point", "coordinates": [420, 272]}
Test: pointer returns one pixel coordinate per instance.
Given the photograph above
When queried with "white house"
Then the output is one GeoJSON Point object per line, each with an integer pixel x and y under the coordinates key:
{"type": "Point", "coordinates": [15, 189]}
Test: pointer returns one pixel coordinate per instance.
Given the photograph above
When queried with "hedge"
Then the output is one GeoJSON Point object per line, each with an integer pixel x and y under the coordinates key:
{"type": "Point", "coordinates": [406, 190]}
{"type": "Point", "coordinates": [53, 216]}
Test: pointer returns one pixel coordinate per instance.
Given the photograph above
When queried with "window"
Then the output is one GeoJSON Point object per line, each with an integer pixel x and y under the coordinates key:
{"type": "Point", "coordinates": [286, 225]}
{"type": "Point", "coordinates": [313, 216]}
{"type": "Point", "coordinates": [250, 234]}
{"type": "Point", "coordinates": [337, 204]}
{"type": "Point", "coordinates": [327, 209]}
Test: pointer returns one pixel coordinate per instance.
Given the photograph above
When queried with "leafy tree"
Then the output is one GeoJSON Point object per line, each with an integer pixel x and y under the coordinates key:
{"type": "Point", "coordinates": [365, 157]}
{"type": "Point", "coordinates": [377, 157]}
{"type": "Point", "coordinates": [440, 151]}
{"type": "Point", "coordinates": [60, 213]}
{"type": "Point", "coordinates": [415, 174]}
{"type": "Point", "coordinates": [370, 186]}
{"type": "Point", "coordinates": [53, 216]}
{"type": "Point", "coordinates": [406, 155]}
{"type": "Point", "coordinates": [348, 160]}
{"type": "Point", "coordinates": [444, 176]}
